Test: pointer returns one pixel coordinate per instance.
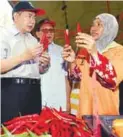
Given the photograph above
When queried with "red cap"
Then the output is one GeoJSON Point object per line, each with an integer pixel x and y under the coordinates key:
{"type": "Point", "coordinates": [46, 21]}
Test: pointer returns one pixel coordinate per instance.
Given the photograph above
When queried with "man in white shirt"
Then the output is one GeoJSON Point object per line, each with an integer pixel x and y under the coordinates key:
{"type": "Point", "coordinates": [54, 82]}
{"type": "Point", "coordinates": [20, 59]}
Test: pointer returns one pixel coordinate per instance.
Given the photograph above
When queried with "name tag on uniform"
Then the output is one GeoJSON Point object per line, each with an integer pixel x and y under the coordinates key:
{"type": "Point", "coordinates": [5, 53]}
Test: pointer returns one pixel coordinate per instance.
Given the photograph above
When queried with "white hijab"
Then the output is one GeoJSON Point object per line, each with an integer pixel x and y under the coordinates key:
{"type": "Point", "coordinates": [110, 30]}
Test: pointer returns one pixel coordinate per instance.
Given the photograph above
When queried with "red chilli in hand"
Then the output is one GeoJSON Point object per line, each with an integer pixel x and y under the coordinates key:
{"type": "Point", "coordinates": [82, 53]}
{"type": "Point", "coordinates": [66, 35]}
{"type": "Point", "coordinates": [44, 41]}
{"type": "Point", "coordinates": [78, 28]}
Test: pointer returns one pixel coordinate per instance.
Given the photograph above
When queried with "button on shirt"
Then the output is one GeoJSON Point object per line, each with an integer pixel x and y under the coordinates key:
{"type": "Point", "coordinates": [14, 43]}
{"type": "Point", "coordinates": [53, 84]}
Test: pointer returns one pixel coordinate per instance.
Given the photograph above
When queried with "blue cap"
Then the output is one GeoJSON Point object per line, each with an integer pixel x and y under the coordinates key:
{"type": "Point", "coordinates": [27, 6]}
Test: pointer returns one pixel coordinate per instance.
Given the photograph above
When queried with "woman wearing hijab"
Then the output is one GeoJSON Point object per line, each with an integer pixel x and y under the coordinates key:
{"type": "Point", "coordinates": [99, 65]}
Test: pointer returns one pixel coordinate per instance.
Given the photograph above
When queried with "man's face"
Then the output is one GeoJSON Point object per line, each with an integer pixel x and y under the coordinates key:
{"type": "Point", "coordinates": [25, 21]}
{"type": "Point", "coordinates": [48, 29]}
{"type": "Point", "coordinates": [97, 29]}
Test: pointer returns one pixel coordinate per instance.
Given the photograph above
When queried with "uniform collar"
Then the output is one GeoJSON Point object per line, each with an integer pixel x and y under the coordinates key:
{"type": "Point", "coordinates": [15, 31]}
{"type": "Point", "coordinates": [51, 45]}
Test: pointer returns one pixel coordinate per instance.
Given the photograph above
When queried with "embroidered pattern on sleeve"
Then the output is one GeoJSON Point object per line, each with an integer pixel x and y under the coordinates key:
{"type": "Point", "coordinates": [105, 71]}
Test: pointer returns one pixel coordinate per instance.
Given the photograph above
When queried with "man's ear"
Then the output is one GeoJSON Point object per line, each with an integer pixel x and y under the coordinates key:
{"type": "Point", "coordinates": [15, 16]}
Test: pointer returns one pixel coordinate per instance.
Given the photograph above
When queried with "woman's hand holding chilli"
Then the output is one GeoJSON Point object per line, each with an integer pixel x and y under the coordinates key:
{"type": "Point", "coordinates": [86, 41]}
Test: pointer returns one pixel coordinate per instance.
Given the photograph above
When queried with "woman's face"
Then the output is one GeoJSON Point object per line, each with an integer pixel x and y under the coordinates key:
{"type": "Point", "coordinates": [97, 29]}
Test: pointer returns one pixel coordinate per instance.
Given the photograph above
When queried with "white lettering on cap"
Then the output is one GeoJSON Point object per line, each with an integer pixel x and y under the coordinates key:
{"type": "Point", "coordinates": [31, 4]}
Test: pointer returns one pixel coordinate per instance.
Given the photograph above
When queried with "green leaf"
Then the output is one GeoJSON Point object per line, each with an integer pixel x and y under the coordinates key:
{"type": "Point", "coordinates": [25, 134]}
{"type": "Point", "coordinates": [45, 135]}
{"type": "Point", "coordinates": [6, 132]}
{"type": "Point", "coordinates": [32, 134]}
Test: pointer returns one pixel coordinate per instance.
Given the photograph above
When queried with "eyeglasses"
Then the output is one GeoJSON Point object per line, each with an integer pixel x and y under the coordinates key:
{"type": "Point", "coordinates": [47, 30]}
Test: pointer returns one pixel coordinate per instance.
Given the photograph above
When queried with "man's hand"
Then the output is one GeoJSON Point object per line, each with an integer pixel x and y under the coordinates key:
{"type": "Point", "coordinates": [44, 59]}
{"type": "Point", "coordinates": [68, 54]}
{"type": "Point", "coordinates": [32, 53]}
